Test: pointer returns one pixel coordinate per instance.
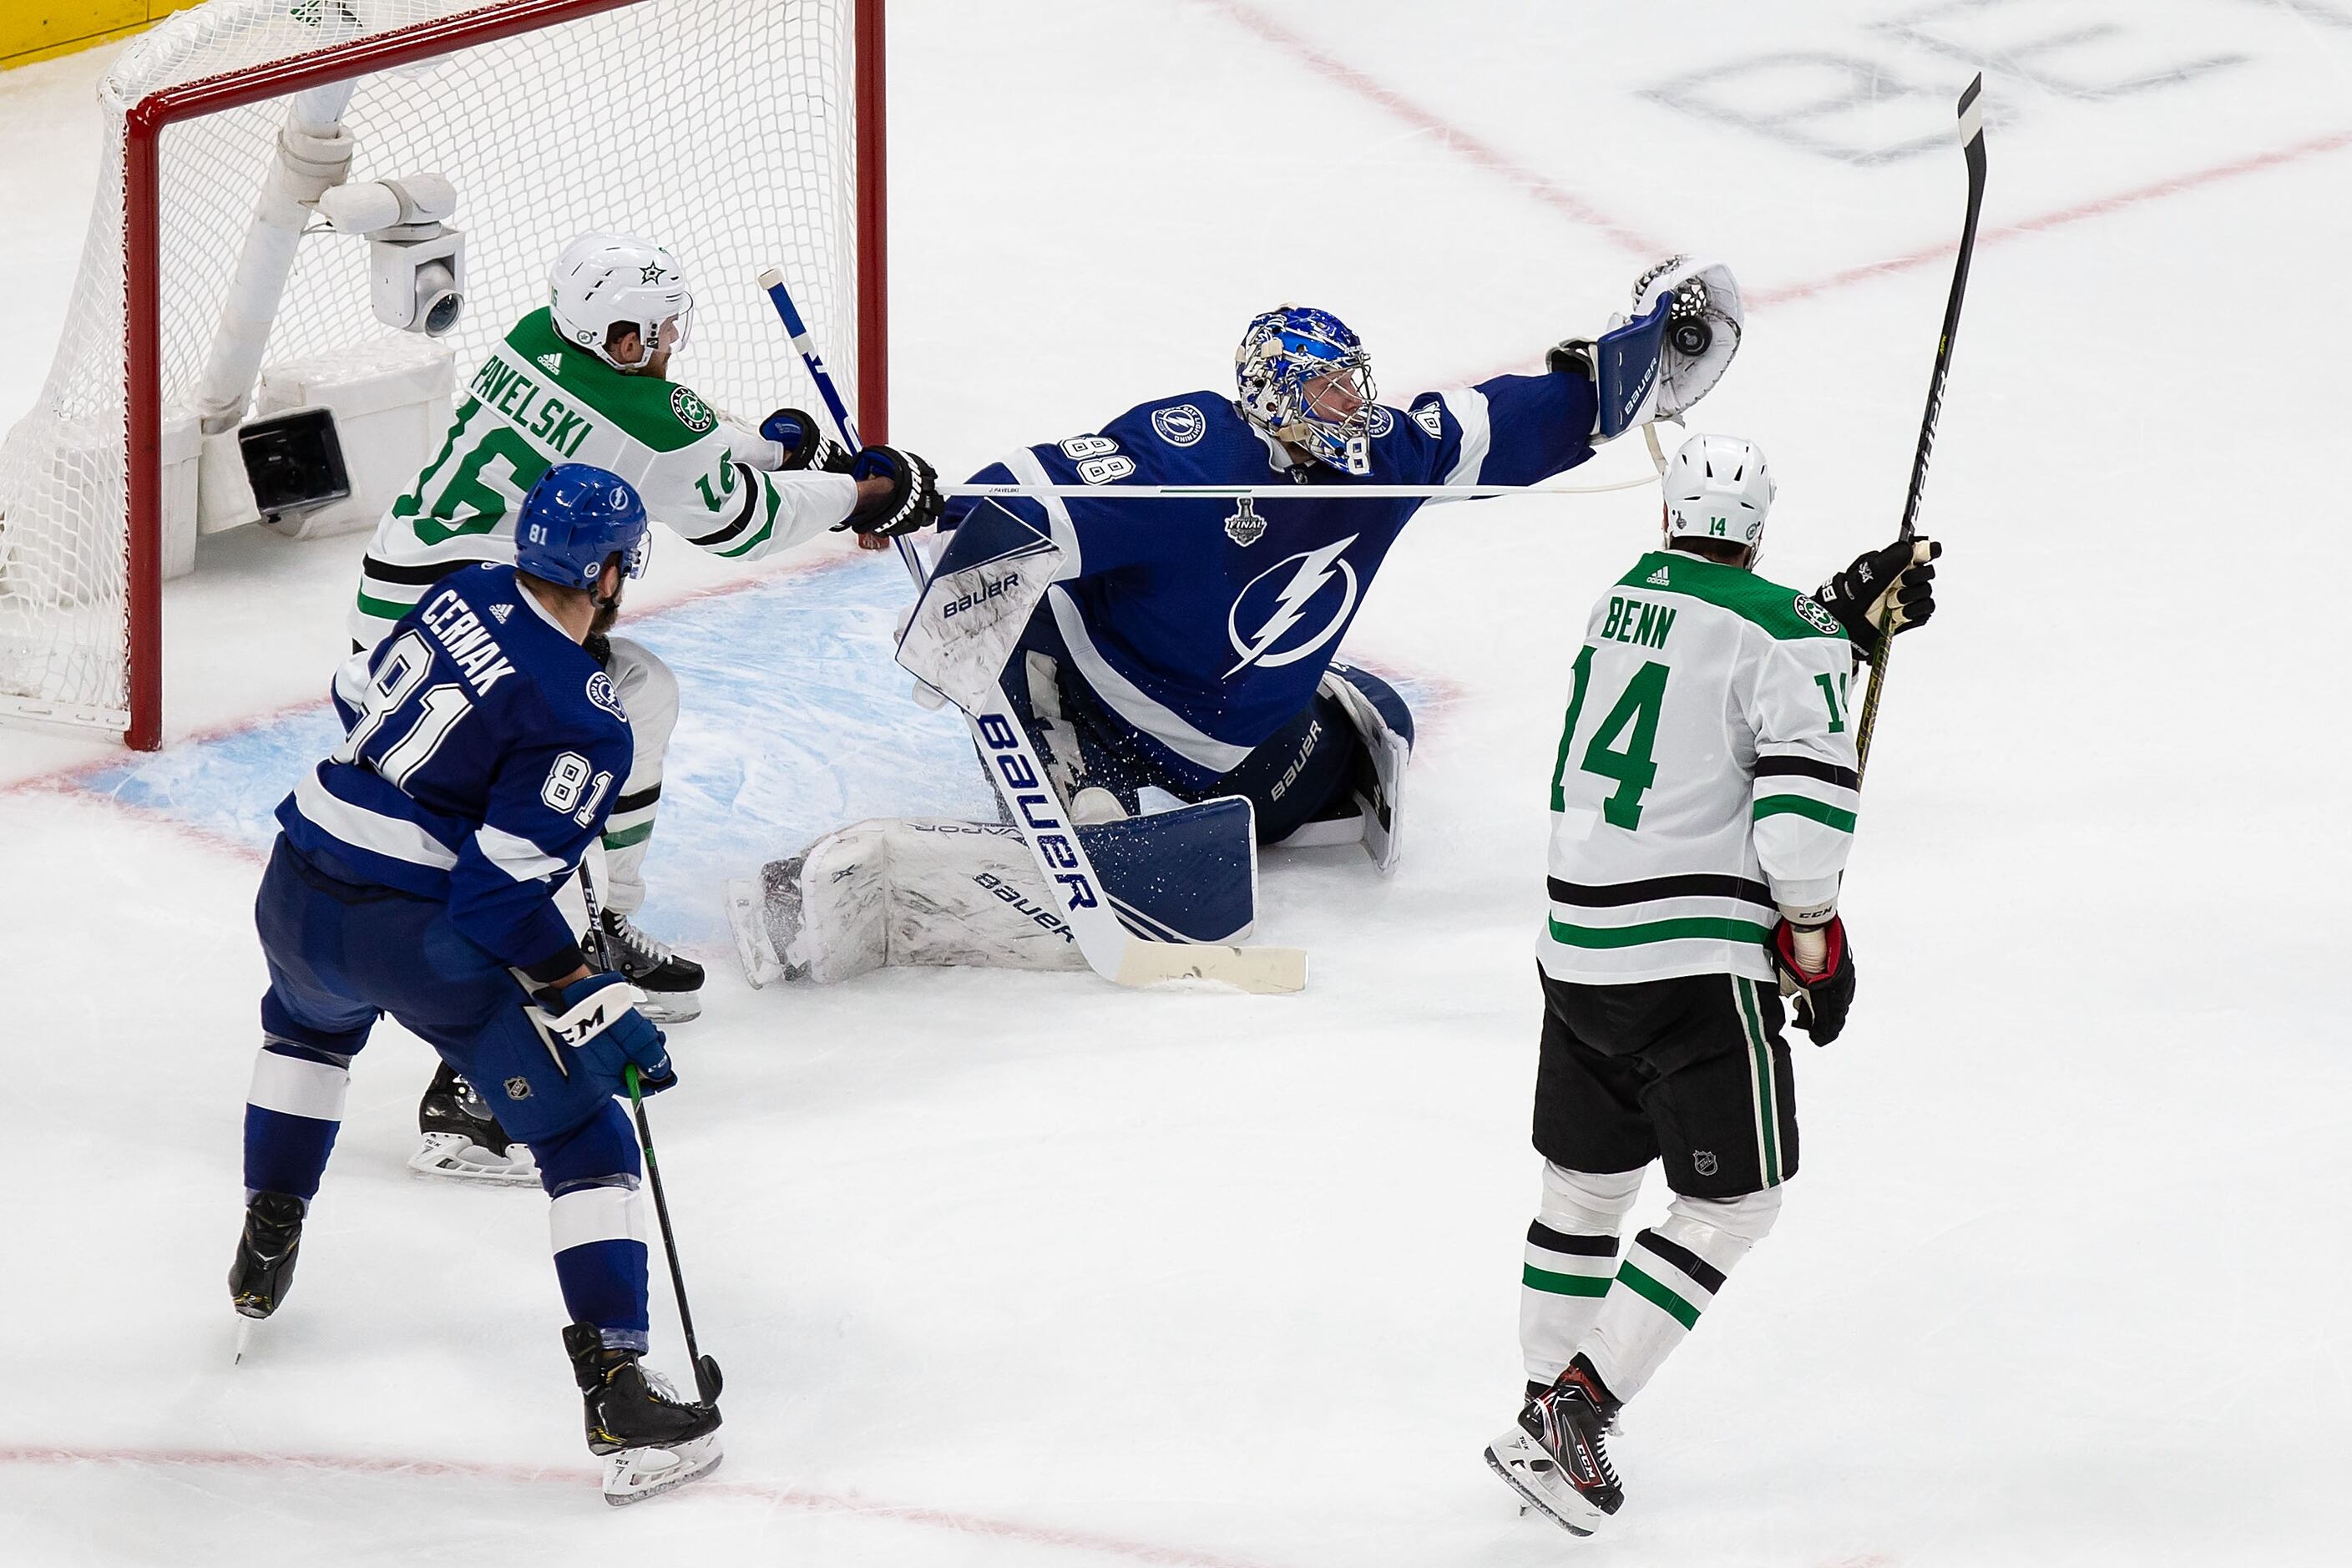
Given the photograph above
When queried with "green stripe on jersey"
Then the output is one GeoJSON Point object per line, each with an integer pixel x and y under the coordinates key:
{"type": "Point", "coordinates": [1536, 1278]}
{"type": "Point", "coordinates": [1659, 1296]}
{"type": "Point", "coordinates": [383, 609]}
{"type": "Point", "coordinates": [628, 835]}
{"type": "Point", "coordinates": [1687, 927]}
{"type": "Point", "coordinates": [1784, 612]}
{"type": "Point", "coordinates": [1800, 805]}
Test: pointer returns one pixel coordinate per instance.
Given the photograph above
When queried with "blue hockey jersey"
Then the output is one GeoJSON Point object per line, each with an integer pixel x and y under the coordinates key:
{"type": "Point", "coordinates": [1206, 625]}
{"type": "Point", "coordinates": [482, 753]}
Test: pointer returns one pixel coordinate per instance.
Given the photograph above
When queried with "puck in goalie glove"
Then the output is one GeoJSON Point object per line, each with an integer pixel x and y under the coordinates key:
{"type": "Point", "coordinates": [1691, 336]}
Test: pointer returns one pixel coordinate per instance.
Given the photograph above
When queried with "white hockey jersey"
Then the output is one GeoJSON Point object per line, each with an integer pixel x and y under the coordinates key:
{"type": "Point", "coordinates": [537, 401]}
{"type": "Point", "coordinates": [1705, 774]}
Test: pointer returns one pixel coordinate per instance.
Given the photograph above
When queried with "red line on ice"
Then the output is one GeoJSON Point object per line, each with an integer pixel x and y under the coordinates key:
{"type": "Point", "coordinates": [1493, 159]}
{"type": "Point", "coordinates": [2098, 206]}
{"type": "Point", "coordinates": [583, 1476]}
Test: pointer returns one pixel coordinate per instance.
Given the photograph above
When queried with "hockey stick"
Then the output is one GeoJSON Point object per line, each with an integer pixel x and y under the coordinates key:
{"type": "Point", "coordinates": [706, 1380]}
{"type": "Point", "coordinates": [1972, 147]}
{"type": "Point", "coordinates": [1110, 950]}
{"type": "Point", "coordinates": [1288, 492]}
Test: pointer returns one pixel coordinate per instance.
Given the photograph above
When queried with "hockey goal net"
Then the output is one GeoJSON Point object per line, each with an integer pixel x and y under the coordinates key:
{"type": "Point", "coordinates": [742, 133]}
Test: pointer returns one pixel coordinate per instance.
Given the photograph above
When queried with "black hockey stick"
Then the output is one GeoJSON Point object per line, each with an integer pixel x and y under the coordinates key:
{"type": "Point", "coordinates": [1971, 131]}
{"type": "Point", "coordinates": [706, 1381]}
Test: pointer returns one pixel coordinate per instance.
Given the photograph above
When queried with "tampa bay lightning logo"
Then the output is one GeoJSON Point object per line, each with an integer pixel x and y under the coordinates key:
{"type": "Point", "coordinates": [1378, 422]}
{"type": "Point", "coordinates": [1180, 425]}
{"type": "Point", "coordinates": [1314, 589]}
{"type": "Point", "coordinates": [601, 693]}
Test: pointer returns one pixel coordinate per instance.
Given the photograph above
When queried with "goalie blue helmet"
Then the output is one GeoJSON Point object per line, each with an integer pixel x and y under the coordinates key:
{"type": "Point", "coordinates": [576, 518]}
{"type": "Point", "coordinates": [1304, 378]}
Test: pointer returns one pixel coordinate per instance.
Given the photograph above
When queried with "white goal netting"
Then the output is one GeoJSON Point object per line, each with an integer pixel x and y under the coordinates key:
{"type": "Point", "coordinates": [724, 129]}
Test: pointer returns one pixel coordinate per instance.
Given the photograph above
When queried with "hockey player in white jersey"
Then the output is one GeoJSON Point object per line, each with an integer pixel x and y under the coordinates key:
{"type": "Point", "coordinates": [1703, 801]}
{"type": "Point", "coordinates": [586, 379]}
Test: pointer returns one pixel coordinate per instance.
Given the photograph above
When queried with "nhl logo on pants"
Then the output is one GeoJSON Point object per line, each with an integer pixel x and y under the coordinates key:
{"type": "Point", "coordinates": [1702, 1160]}
{"type": "Point", "coordinates": [519, 1088]}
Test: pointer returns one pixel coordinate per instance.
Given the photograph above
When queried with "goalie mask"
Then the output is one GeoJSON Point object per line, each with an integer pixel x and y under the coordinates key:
{"type": "Point", "coordinates": [1305, 378]}
{"type": "Point", "coordinates": [603, 280]}
{"type": "Point", "coordinates": [1717, 487]}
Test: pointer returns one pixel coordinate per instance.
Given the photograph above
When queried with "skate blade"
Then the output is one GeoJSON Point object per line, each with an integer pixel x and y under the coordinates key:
{"type": "Point", "coordinates": [634, 1475]}
{"type": "Point", "coordinates": [244, 1339]}
{"type": "Point", "coordinates": [447, 1154]}
{"type": "Point", "coordinates": [1513, 1471]}
{"type": "Point", "coordinates": [672, 1006]}
{"type": "Point", "coordinates": [746, 917]}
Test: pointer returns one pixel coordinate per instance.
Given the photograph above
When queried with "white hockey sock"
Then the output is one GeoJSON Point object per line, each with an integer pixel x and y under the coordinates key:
{"type": "Point", "coordinates": [1571, 1256]}
{"type": "Point", "coordinates": [1670, 1276]}
{"type": "Point", "coordinates": [648, 694]}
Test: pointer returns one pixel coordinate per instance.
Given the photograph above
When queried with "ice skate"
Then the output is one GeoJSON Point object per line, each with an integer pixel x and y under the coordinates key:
{"type": "Point", "coordinates": [264, 1267]}
{"type": "Point", "coordinates": [673, 985]}
{"type": "Point", "coordinates": [1557, 1458]}
{"type": "Point", "coordinates": [650, 1440]}
{"type": "Point", "coordinates": [462, 1138]}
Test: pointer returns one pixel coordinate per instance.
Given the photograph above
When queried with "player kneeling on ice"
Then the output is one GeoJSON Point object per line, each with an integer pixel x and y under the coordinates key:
{"type": "Point", "coordinates": [587, 378]}
{"type": "Point", "coordinates": [417, 874]}
{"type": "Point", "coordinates": [1701, 815]}
{"type": "Point", "coordinates": [1184, 648]}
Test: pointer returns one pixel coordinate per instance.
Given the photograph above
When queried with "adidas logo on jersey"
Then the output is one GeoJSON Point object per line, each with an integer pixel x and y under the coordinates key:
{"type": "Point", "coordinates": [499, 612]}
{"type": "Point", "coordinates": [554, 363]}
{"type": "Point", "coordinates": [1658, 579]}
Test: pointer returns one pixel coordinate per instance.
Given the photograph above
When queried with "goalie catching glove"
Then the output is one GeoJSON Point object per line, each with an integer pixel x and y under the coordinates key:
{"type": "Point", "coordinates": [1898, 580]}
{"type": "Point", "coordinates": [1816, 966]}
{"type": "Point", "coordinates": [913, 502]}
{"type": "Point", "coordinates": [802, 445]}
{"type": "Point", "coordinates": [597, 1021]}
{"type": "Point", "coordinates": [1660, 360]}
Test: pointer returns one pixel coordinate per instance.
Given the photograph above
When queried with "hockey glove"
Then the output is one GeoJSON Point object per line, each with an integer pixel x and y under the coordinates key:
{"type": "Point", "coordinates": [597, 1020]}
{"type": "Point", "coordinates": [1702, 332]}
{"type": "Point", "coordinates": [1824, 986]}
{"type": "Point", "coordinates": [804, 444]}
{"type": "Point", "coordinates": [1899, 580]}
{"type": "Point", "coordinates": [914, 501]}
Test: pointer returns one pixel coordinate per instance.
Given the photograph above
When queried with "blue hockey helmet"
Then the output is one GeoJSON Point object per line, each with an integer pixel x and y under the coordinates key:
{"type": "Point", "coordinates": [1305, 378]}
{"type": "Point", "coordinates": [576, 518]}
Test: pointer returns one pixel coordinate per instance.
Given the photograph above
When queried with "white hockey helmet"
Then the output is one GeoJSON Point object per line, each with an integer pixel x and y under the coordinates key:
{"type": "Point", "coordinates": [1717, 487]}
{"type": "Point", "coordinates": [601, 280]}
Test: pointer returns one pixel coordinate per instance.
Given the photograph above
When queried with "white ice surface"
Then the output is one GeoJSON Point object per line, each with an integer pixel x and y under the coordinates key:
{"type": "Point", "coordinates": [1020, 1269]}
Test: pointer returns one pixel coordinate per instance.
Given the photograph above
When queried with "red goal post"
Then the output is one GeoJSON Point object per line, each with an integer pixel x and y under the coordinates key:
{"type": "Point", "coordinates": [754, 367]}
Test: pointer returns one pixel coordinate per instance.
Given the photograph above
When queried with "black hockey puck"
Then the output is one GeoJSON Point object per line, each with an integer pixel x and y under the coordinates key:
{"type": "Point", "coordinates": [1691, 336]}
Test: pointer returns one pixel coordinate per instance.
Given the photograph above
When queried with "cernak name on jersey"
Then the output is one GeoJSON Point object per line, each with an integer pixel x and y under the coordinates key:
{"type": "Point", "coordinates": [466, 641]}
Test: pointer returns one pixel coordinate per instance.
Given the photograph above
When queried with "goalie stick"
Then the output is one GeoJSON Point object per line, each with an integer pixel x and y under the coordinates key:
{"type": "Point", "coordinates": [1110, 950]}
{"type": "Point", "coordinates": [1972, 147]}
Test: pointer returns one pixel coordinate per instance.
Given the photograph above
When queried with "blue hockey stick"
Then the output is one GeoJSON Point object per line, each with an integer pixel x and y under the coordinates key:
{"type": "Point", "coordinates": [1111, 950]}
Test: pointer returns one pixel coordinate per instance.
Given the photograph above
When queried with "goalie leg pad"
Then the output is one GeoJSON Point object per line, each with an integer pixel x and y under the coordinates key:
{"type": "Point", "coordinates": [1367, 808]}
{"type": "Point", "coordinates": [935, 891]}
{"type": "Point", "coordinates": [648, 694]}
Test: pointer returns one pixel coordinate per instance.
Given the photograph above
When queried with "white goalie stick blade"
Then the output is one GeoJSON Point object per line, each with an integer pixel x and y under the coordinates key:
{"type": "Point", "coordinates": [754, 949]}
{"type": "Point", "coordinates": [634, 1475]}
{"type": "Point", "coordinates": [1261, 971]}
{"type": "Point", "coordinates": [1535, 1476]}
{"type": "Point", "coordinates": [459, 1158]}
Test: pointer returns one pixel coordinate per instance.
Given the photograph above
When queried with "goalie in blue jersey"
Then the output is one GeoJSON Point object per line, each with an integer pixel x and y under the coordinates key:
{"type": "Point", "coordinates": [1171, 658]}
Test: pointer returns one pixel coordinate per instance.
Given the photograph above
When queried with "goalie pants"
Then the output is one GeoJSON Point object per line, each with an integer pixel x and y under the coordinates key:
{"type": "Point", "coordinates": [340, 954]}
{"type": "Point", "coordinates": [1692, 1072]}
{"type": "Point", "coordinates": [1304, 770]}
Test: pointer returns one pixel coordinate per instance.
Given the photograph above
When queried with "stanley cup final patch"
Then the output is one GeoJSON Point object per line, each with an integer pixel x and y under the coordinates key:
{"type": "Point", "coordinates": [1245, 528]}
